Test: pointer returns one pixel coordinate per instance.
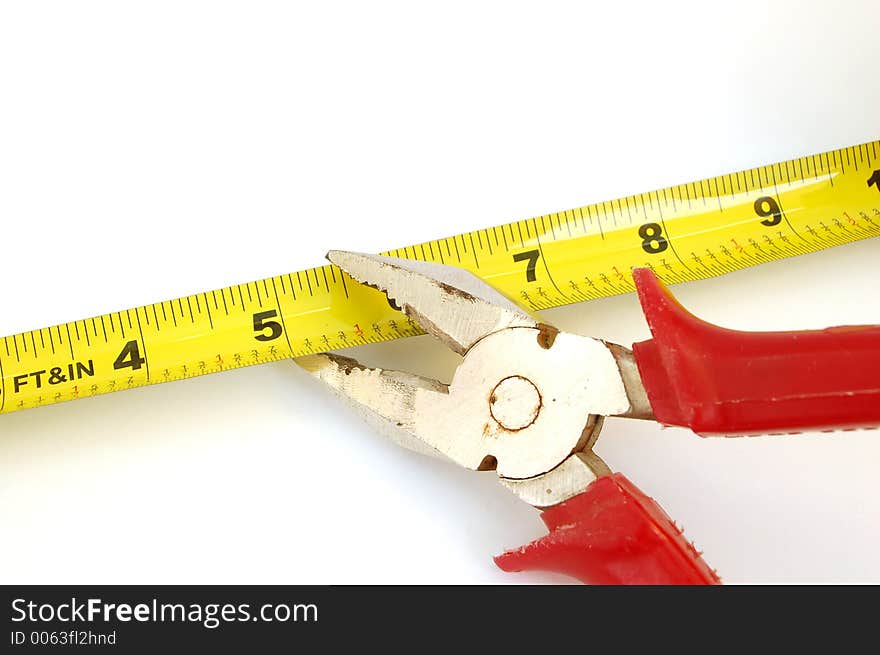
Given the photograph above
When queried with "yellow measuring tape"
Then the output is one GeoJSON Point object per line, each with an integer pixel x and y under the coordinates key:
{"type": "Point", "coordinates": [684, 232]}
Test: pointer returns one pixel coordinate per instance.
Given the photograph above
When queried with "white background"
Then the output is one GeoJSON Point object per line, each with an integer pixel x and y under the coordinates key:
{"type": "Point", "coordinates": [156, 149]}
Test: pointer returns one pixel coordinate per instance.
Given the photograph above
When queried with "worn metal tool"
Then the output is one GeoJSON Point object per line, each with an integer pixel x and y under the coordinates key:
{"type": "Point", "coordinates": [528, 401]}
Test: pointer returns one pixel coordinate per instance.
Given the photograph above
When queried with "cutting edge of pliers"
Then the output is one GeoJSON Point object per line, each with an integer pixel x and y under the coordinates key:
{"type": "Point", "coordinates": [528, 401]}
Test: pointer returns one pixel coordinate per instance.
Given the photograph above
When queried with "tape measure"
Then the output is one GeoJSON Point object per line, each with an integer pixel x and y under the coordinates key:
{"type": "Point", "coordinates": [684, 232]}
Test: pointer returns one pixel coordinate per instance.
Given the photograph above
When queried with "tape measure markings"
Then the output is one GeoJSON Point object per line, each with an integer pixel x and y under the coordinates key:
{"type": "Point", "coordinates": [684, 232]}
{"type": "Point", "coordinates": [143, 342]}
{"type": "Point", "coordinates": [544, 259]}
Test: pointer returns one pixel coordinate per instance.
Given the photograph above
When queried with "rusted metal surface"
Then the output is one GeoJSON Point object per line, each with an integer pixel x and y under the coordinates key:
{"type": "Point", "coordinates": [527, 400]}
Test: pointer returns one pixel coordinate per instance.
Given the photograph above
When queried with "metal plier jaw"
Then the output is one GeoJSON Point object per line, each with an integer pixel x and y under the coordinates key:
{"type": "Point", "coordinates": [528, 401]}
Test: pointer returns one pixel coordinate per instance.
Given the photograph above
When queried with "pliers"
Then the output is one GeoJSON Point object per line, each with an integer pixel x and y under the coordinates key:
{"type": "Point", "coordinates": [528, 401]}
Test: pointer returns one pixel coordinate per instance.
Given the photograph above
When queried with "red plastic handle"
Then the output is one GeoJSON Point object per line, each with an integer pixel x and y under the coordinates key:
{"type": "Point", "coordinates": [612, 533]}
{"type": "Point", "coordinates": [719, 381]}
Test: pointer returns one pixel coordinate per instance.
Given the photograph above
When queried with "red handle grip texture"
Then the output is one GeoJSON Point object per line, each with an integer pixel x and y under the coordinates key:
{"type": "Point", "coordinates": [718, 381]}
{"type": "Point", "coordinates": [612, 533]}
